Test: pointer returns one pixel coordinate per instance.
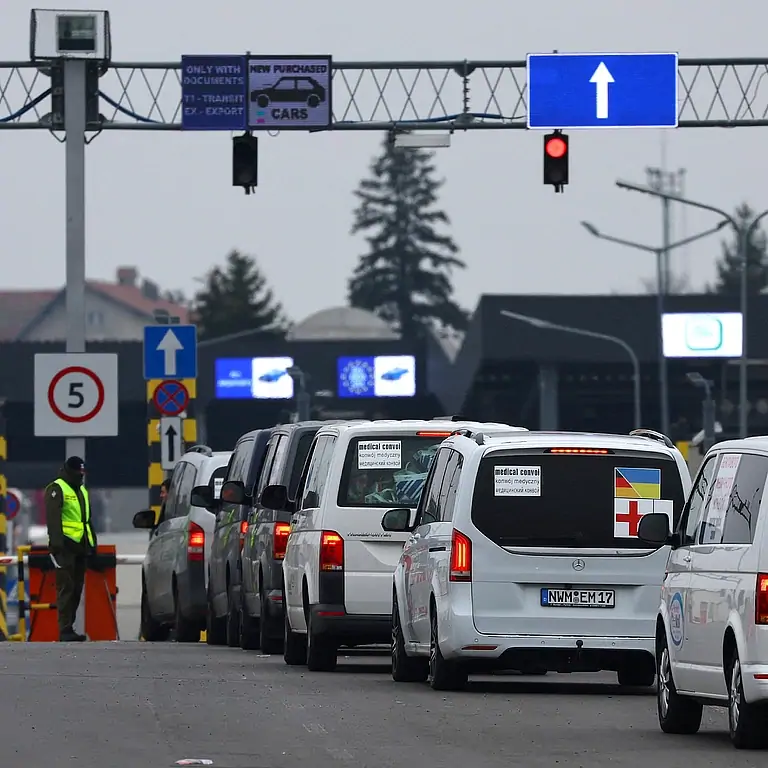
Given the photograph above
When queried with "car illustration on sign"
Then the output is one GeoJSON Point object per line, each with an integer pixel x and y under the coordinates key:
{"type": "Point", "coordinates": [395, 374]}
{"type": "Point", "coordinates": [274, 375]}
{"type": "Point", "coordinates": [290, 90]}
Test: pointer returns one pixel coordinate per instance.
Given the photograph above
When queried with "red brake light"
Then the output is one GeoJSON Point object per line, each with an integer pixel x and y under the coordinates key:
{"type": "Point", "coordinates": [280, 540]}
{"type": "Point", "coordinates": [243, 533]}
{"type": "Point", "coordinates": [433, 434]}
{"type": "Point", "coordinates": [195, 543]}
{"type": "Point", "coordinates": [331, 551]}
{"type": "Point", "coordinates": [761, 599]}
{"type": "Point", "coordinates": [582, 451]}
{"type": "Point", "coordinates": [461, 557]}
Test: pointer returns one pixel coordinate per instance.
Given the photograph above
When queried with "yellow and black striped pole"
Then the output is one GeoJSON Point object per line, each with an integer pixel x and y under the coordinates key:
{"type": "Point", "coordinates": [3, 528]}
{"type": "Point", "coordinates": [155, 474]}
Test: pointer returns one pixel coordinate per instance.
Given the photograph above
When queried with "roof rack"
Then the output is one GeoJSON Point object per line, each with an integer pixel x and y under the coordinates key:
{"type": "Point", "coordinates": [455, 417]}
{"type": "Point", "coordinates": [651, 435]}
{"type": "Point", "coordinates": [204, 449]}
{"type": "Point", "coordinates": [478, 437]}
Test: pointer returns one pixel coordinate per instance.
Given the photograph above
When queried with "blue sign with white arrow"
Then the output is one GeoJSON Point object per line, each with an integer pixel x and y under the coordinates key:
{"type": "Point", "coordinates": [170, 351]}
{"type": "Point", "coordinates": [602, 90]}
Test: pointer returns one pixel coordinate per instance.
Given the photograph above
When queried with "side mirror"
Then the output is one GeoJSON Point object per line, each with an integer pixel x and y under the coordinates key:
{"type": "Point", "coordinates": [202, 496]}
{"type": "Point", "coordinates": [274, 497]}
{"type": "Point", "coordinates": [144, 519]}
{"type": "Point", "coordinates": [654, 529]}
{"type": "Point", "coordinates": [233, 492]}
{"type": "Point", "coordinates": [397, 520]}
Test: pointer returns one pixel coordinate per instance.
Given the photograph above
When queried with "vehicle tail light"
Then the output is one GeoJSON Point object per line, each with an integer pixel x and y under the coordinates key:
{"type": "Point", "coordinates": [243, 533]}
{"type": "Point", "coordinates": [580, 451]}
{"type": "Point", "coordinates": [331, 551]}
{"type": "Point", "coordinates": [280, 540]}
{"type": "Point", "coordinates": [195, 543]}
{"type": "Point", "coordinates": [461, 557]}
{"type": "Point", "coordinates": [432, 433]}
{"type": "Point", "coordinates": [761, 599]}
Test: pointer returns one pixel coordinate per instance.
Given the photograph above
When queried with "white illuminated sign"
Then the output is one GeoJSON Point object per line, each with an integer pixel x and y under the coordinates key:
{"type": "Point", "coordinates": [702, 334]}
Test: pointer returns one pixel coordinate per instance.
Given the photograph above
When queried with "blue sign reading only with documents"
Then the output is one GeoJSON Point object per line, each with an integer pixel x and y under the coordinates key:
{"type": "Point", "coordinates": [596, 90]}
{"type": "Point", "coordinates": [213, 93]}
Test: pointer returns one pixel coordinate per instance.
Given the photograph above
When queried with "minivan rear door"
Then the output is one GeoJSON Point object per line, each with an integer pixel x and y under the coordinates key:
{"type": "Point", "coordinates": [555, 550]}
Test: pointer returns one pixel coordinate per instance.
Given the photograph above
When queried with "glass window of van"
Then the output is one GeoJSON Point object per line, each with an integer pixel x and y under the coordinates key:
{"type": "Point", "coordinates": [744, 501]}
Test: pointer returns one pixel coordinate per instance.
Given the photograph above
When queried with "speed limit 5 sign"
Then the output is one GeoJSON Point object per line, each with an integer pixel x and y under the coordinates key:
{"type": "Point", "coordinates": [76, 395]}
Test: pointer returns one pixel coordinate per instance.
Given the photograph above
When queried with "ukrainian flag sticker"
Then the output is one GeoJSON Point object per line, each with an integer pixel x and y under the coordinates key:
{"type": "Point", "coordinates": [637, 483]}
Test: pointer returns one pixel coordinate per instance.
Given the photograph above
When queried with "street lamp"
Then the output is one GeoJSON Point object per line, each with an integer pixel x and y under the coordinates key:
{"type": "Point", "coordinates": [302, 395]}
{"type": "Point", "coordinates": [537, 322]}
{"type": "Point", "coordinates": [744, 235]}
{"type": "Point", "coordinates": [660, 254]}
{"type": "Point", "coordinates": [707, 408]}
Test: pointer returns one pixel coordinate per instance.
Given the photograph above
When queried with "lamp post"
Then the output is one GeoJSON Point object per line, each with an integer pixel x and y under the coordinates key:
{"type": "Point", "coordinates": [662, 256]}
{"type": "Point", "coordinates": [744, 235]}
{"type": "Point", "coordinates": [302, 396]}
{"type": "Point", "coordinates": [537, 322]}
{"type": "Point", "coordinates": [707, 408]}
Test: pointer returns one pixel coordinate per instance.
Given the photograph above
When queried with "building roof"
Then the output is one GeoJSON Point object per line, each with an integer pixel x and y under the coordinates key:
{"type": "Point", "coordinates": [342, 324]}
{"type": "Point", "coordinates": [19, 308]}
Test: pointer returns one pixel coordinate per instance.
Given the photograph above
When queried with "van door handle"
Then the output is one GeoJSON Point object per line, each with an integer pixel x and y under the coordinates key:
{"type": "Point", "coordinates": [687, 558]}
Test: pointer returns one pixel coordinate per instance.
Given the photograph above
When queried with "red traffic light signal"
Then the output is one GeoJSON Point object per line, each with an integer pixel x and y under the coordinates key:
{"type": "Point", "coordinates": [556, 160]}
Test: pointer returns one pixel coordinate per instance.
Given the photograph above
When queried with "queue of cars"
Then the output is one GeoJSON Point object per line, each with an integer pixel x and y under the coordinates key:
{"type": "Point", "coordinates": [471, 548]}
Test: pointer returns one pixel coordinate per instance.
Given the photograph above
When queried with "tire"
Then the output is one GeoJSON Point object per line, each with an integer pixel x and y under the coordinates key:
{"type": "Point", "coordinates": [269, 642]}
{"type": "Point", "coordinates": [443, 675]}
{"type": "Point", "coordinates": [313, 101]}
{"type": "Point", "coordinates": [677, 714]}
{"type": "Point", "coordinates": [322, 651]}
{"type": "Point", "coordinates": [294, 644]}
{"type": "Point", "coordinates": [746, 722]}
{"type": "Point", "coordinates": [640, 676]}
{"type": "Point", "coordinates": [215, 628]}
{"type": "Point", "coordinates": [405, 668]}
{"type": "Point", "coordinates": [232, 621]}
{"type": "Point", "coordinates": [263, 101]}
{"type": "Point", "coordinates": [186, 631]}
{"type": "Point", "coordinates": [151, 630]}
{"type": "Point", "coordinates": [249, 627]}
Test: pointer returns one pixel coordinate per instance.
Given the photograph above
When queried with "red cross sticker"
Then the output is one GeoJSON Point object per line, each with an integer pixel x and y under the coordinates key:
{"type": "Point", "coordinates": [632, 517]}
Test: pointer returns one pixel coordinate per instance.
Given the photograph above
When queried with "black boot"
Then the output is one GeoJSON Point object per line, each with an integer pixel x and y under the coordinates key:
{"type": "Point", "coordinates": [70, 636]}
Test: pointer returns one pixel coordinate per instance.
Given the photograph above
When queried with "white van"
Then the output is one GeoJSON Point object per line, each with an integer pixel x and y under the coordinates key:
{"type": "Point", "coordinates": [524, 555]}
{"type": "Point", "coordinates": [337, 570]}
{"type": "Point", "coordinates": [712, 628]}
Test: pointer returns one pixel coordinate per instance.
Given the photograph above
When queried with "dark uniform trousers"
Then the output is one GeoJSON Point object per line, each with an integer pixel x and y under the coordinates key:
{"type": "Point", "coordinates": [70, 579]}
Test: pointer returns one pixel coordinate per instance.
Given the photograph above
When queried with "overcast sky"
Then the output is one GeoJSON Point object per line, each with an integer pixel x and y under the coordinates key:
{"type": "Point", "coordinates": [163, 201]}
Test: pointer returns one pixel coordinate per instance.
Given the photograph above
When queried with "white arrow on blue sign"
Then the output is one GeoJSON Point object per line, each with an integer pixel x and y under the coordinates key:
{"type": "Point", "coordinates": [170, 352]}
{"type": "Point", "coordinates": [602, 90]}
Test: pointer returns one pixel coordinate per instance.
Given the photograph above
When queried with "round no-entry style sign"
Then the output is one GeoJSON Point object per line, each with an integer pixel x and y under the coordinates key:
{"type": "Point", "coordinates": [76, 394]}
{"type": "Point", "coordinates": [12, 505]}
{"type": "Point", "coordinates": [171, 397]}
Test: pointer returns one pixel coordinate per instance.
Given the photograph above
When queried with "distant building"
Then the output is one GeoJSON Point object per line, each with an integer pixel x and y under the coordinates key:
{"type": "Point", "coordinates": [113, 311]}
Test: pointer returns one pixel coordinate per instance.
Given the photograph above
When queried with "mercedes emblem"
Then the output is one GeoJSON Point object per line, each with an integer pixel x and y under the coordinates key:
{"type": "Point", "coordinates": [578, 565]}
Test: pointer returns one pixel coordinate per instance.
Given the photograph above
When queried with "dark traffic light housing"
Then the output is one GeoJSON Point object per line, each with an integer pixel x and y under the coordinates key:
{"type": "Point", "coordinates": [556, 160]}
{"type": "Point", "coordinates": [245, 162]}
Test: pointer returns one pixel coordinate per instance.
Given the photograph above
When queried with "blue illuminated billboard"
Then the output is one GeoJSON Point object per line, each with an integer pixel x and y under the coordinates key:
{"type": "Point", "coordinates": [377, 376]}
{"type": "Point", "coordinates": [248, 378]}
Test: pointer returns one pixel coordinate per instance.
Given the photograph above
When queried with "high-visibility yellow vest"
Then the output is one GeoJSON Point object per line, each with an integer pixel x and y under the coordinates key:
{"type": "Point", "coordinates": [72, 523]}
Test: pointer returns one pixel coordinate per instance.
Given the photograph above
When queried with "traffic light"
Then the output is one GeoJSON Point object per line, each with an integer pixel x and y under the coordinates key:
{"type": "Point", "coordinates": [556, 160]}
{"type": "Point", "coordinates": [245, 162]}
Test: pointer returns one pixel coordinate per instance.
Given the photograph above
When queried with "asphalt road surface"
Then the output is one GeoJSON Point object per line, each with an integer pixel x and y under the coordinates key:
{"type": "Point", "coordinates": [144, 704]}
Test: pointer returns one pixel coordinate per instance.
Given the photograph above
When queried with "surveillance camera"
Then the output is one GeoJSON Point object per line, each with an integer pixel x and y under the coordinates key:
{"type": "Point", "coordinates": [76, 33]}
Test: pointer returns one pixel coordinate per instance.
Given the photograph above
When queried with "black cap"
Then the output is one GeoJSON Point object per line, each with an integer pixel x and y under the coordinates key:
{"type": "Point", "coordinates": [75, 464]}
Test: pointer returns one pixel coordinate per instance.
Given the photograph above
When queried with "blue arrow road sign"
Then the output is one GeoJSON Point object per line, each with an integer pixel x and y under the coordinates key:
{"type": "Point", "coordinates": [213, 90]}
{"type": "Point", "coordinates": [602, 90]}
{"type": "Point", "coordinates": [170, 351]}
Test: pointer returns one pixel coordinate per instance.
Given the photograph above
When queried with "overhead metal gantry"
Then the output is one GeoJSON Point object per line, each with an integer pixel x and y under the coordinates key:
{"type": "Point", "coordinates": [385, 96]}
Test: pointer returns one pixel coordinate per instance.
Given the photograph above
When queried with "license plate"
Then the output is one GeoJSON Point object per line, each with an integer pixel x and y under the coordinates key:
{"type": "Point", "coordinates": [578, 598]}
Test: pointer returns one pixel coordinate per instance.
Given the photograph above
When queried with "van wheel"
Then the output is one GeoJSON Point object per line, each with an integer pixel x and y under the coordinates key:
{"type": "Point", "coordinates": [677, 714]}
{"type": "Point", "coordinates": [232, 626]}
{"type": "Point", "coordinates": [640, 676]}
{"type": "Point", "coordinates": [151, 630]}
{"type": "Point", "coordinates": [294, 644]}
{"type": "Point", "coordinates": [443, 675]}
{"type": "Point", "coordinates": [186, 631]}
{"type": "Point", "coordinates": [269, 643]}
{"type": "Point", "coordinates": [405, 668]}
{"type": "Point", "coordinates": [746, 722]}
{"type": "Point", "coordinates": [322, 652]}
{"type": "Point", "coordinates": [249, 628]}
{"type": "Point", "coordinates": [215, 628]}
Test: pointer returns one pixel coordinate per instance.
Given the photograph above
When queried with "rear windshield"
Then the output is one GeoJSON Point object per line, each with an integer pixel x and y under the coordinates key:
{"type": "Point", "coordinates": [384, 471]}
{"type": "Point", "coordinates": [302, 451]}
{"type": "Point", "coordinates": [546, 500]}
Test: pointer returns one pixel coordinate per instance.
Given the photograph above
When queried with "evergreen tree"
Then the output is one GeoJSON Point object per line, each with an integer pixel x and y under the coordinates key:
{"type": "Point", "coordinates": [405, 277]}
{"type": "Point", "coordinates": [729, 266]}
{"type": "Point", "coordinates": [236, 298]}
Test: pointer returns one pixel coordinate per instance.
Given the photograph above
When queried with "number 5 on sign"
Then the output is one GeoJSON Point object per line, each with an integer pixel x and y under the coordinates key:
{"type": "Point", "coordinates": [76, 395]}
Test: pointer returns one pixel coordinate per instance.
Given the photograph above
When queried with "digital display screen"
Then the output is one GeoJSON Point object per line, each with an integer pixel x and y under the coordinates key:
{"type": "Point", "coordinates": [377, 376]}
{"type": "Point", "coordinates": [702, 334]}
{"type": "Point", "coordinates": [260, 378]}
